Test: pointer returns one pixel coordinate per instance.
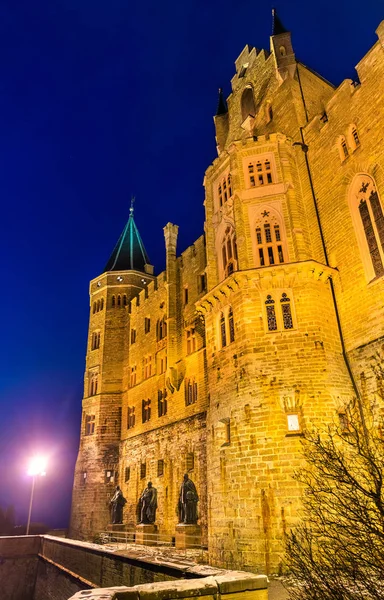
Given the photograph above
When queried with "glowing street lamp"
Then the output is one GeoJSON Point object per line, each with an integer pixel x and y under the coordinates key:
{"type": "Point", "coordinates": [37, 467]}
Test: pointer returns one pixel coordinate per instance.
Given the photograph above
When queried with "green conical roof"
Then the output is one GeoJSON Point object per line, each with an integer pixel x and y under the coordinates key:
{"type": "Point", "coordinates": [129, 252]}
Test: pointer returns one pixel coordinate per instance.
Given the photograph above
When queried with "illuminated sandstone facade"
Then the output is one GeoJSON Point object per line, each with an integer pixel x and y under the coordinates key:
{"type": "Point", "coordinates": [266, 325]}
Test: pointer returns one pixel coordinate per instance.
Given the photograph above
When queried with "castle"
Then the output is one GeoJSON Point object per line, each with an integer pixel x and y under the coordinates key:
{"type": "Point", "coordinates": [264, 326]}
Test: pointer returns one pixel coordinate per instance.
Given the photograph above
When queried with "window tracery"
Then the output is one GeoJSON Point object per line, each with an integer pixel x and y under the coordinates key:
{"type": "Point", "coordinates": [269, 240]}
{"type": "Point", "coordinates": [229, 251]}
{"type": "Point", "coordinates": [278, 312]}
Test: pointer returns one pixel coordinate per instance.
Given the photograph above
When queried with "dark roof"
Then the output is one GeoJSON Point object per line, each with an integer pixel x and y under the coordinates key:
{"type": "Point", "coordinates": [129, 252]}
{"type": "Point", "coordinates": [222, 108]}
{"type": "Point", "coordinates": [277, 26]}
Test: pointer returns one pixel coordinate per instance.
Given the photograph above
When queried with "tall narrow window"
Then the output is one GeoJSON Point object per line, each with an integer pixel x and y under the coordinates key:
{"type": "Point", "coordinates": [355, 137]}
{"type": "Point", "coordinates": [147, 367]}
{"type": "Point", "coordinates": [162, 402]}
{"type": "Point", "coordinates": [143, 471]}
{"type": "Point", "coordinates": [223, 332]}
{"type": "Point", "coordinates": [161, 329]}
{"type": "Point", "coordinates": [93, 383]}
{"type": "Point", "coordinates": [127, 474]}
{"type": "Point", "coordinates": [133, 335]}
{"type": "Point", "coordinates": [113, 301]}
{"type": "Point", "coordinates": [190, 462]}
{"type": "Point", "coordinates": [119, 300]}
{"type": "Point", "coordinates": [125, 300]}
{"type": "Point", "coordinates": [94, 307]}
{"type": "Point", "coordinates": [131, 419]}
{"type": "Point", "coordinates": [146, 410]}
{"type": "Point", "coordinates": [147, 325]}
{"type": "Point", "coordinates": [160, 468]}
{"type": "Point", "coordinates": [185, 295]}
{"type": "Point", "coordinates": [365, 203]}
{"type": "Point", "coordinates": [229, 251]}
{"type": "Point", "coordinates": [271, 313]}
{"type": "Point", "coordinates": [286, 312]}
{"type": "Point", "coordinates": [190, 391]}
{"type": "Point", "coordinates": [343, 148]}
{"type": "Point", "coordinates": [247, 103]}
{"type": "Point", "coordinates": [191, 340]}
{"type": "Point", "coordinates": [132, 376]}
{"type": "Point", "coordinates": [231, 326]}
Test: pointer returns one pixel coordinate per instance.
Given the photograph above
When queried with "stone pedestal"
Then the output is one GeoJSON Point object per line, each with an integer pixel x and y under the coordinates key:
{"type": "Point", "coordinates": [146, 534]}
{"type": "Point", "coordinates": [188, 536]}
{"type": "Point", "coordinates": [120, 532]}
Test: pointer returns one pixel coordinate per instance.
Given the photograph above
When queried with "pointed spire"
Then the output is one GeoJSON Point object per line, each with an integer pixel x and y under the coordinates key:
{"type": "Point", "coordinates": [129, 253]}
{"type": "Point", "coordinates": [277, 26]}
{"type": "Point", "coordinates": [222, 108]}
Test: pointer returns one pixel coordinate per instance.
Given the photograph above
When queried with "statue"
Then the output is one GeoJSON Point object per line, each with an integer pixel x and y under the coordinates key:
{"type": "Point", "coordinates": [117, 504]}
{"type": "Point", "coordinates": [147, 505]}
{"type": "Point", "coordinates": [188, 499]}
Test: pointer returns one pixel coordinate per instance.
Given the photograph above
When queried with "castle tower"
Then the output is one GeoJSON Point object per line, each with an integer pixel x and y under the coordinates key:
{"type": "Point", "coordinates": [274, 358]}
{"type": "Point", "coordinates": [127, 272]}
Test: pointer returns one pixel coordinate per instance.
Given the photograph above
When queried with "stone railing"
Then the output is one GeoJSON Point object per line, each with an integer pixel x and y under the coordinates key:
{"type": "Point", "coordinates": [229, 586]}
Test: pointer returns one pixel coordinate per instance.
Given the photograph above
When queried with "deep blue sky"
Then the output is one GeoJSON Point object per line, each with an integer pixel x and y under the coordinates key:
{"type": "Point", "coordinates": [99, 100]}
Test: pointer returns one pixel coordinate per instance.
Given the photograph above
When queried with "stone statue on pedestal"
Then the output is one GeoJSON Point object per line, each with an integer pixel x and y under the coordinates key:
{"type": "Point", "coordinates": [188, 499]}
{"type": "Point", "coordinates": [147, 505]}
{"type": "Point", "coordinates": [117, 503]}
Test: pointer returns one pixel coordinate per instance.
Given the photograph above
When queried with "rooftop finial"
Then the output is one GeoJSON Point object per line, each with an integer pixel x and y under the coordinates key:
{"type": "Point", "coordinates": [277, 26]}
{"type": "Point", "coordinates": [131, 208]}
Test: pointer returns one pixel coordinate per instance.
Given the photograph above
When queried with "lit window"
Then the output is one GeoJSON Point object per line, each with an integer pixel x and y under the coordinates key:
{"type": "Point", "coordinates": [146, 410]}
{"type": "Point", "coordinates": [131, 417]}
{"type": "Point", "coordinates": [293, 423]}
{"type": "Point", "coordinates": [109, 476]}
{"type": "Point", "coordinates": [89, 424]}
{"type": "Point", "coordinates": [162, 402]}
{"type": "Point", "coordinates": [83, 479]}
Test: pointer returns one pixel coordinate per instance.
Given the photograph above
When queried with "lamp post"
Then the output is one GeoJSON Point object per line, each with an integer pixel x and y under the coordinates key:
{"type": "Point", "coordinates": [36, 467]}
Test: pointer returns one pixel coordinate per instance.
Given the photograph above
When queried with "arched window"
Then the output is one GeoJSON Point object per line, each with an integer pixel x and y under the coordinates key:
{"type": "Point", "coordinates": [223, 333]}
{"type": "Point", "coordinates": [94, 307]}
{"type": "Point", "coordinates": [269, 242]}
{"type": "Point", "coordinates": [247, 103]}
{"type": "Point", "coordinates": [113, 302]}
{"type": "Point", "coordinates": [125, 300]}
{"type": "Point", "coordinates": [368, 217]}
{"type": "Point", "coordinates": [283, 51]}
{"type": "Point", "coordinates": [354, 140]}
{"type": "Point", "coordinates": [286, 311]}
{"type": "Point", "coordinates": [231, 325]}
{"type": "Point", "coordinates": [269, 112]}
{"type": "Point", "coordinates": [226, 327]}
{"type": "Point", "coordinates": [93, 383]}
{"type": "Point", "coordinates": [102, 304]}
{"type": "Point", "coordinates": [271, 313]}
{"type": "Point", "coordinates": [161, 329]}
{"type": "Point", "coordinates": [98, 306]}
{"type": "Point", "coordinates": [229, 251]}
{"type": "Point", "coordinates": [279, 311]}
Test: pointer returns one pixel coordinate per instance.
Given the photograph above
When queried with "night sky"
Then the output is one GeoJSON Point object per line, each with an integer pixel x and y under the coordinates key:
{"type": "Point", "coordinates": [100, 100]}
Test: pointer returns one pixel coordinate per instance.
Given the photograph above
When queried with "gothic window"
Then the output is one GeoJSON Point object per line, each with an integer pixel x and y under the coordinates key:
{"type": "Point", "coordinates": [190, 391]}
{"type": "Point", "coordinates": [147, 325]}
{"type": "Point", "coordinates": [354, 137]}
{"type": "Point", "coordinates": [102, 304]}
{"type": "Point", "coordinates": [93, 383]}
{"type": "Point", "coordinates": [113, 301]}
{"type": "Point", "coordinates": [226, 327]}
{"type": "Point", "coordinates": [229, 251]}
{"type": "Point", "coordinates": [161, 329]}
{"type": "Point", "coordinates": [202, 283]}
{"type": "Point", "coordinates": [191, 340]}
{"type": "Point", "coordinates": [247, 103]}
{"type": "Point", "coordinates": [146, 410]}
{"type": "Point", "coordinates": [271, 313]}
{"type": "Point", "coordinates": [125, 300]}
{"type": "Point", "coordinates": [132, 376]}
{"type": "Point", "coordinates": [368, 216]}
{"type": "Point", "coordinates": [162, 402]}
{"type": "Point", "coordinates": [260, 172]}
{"type": "Point", "coordinates": [269, 242]}
{"type": "Point", "coordinates": [119, 300]}
{"type": "Point", "coordinates": [133, 335]}
{"type": "Point", "coordinates": [89, 424]}
{"type": "Point", "coordinates": [94, 307]}
{"type": "Point", "coordinates": [131, 417]}
{"type": "Point", "coordinates": [286, 311]}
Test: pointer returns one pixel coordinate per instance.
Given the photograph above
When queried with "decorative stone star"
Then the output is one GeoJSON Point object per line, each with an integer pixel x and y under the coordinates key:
{"type": "Point", "coordinates": [364, 187]}
{"type": "Point", "coordinates": [265, 214]}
